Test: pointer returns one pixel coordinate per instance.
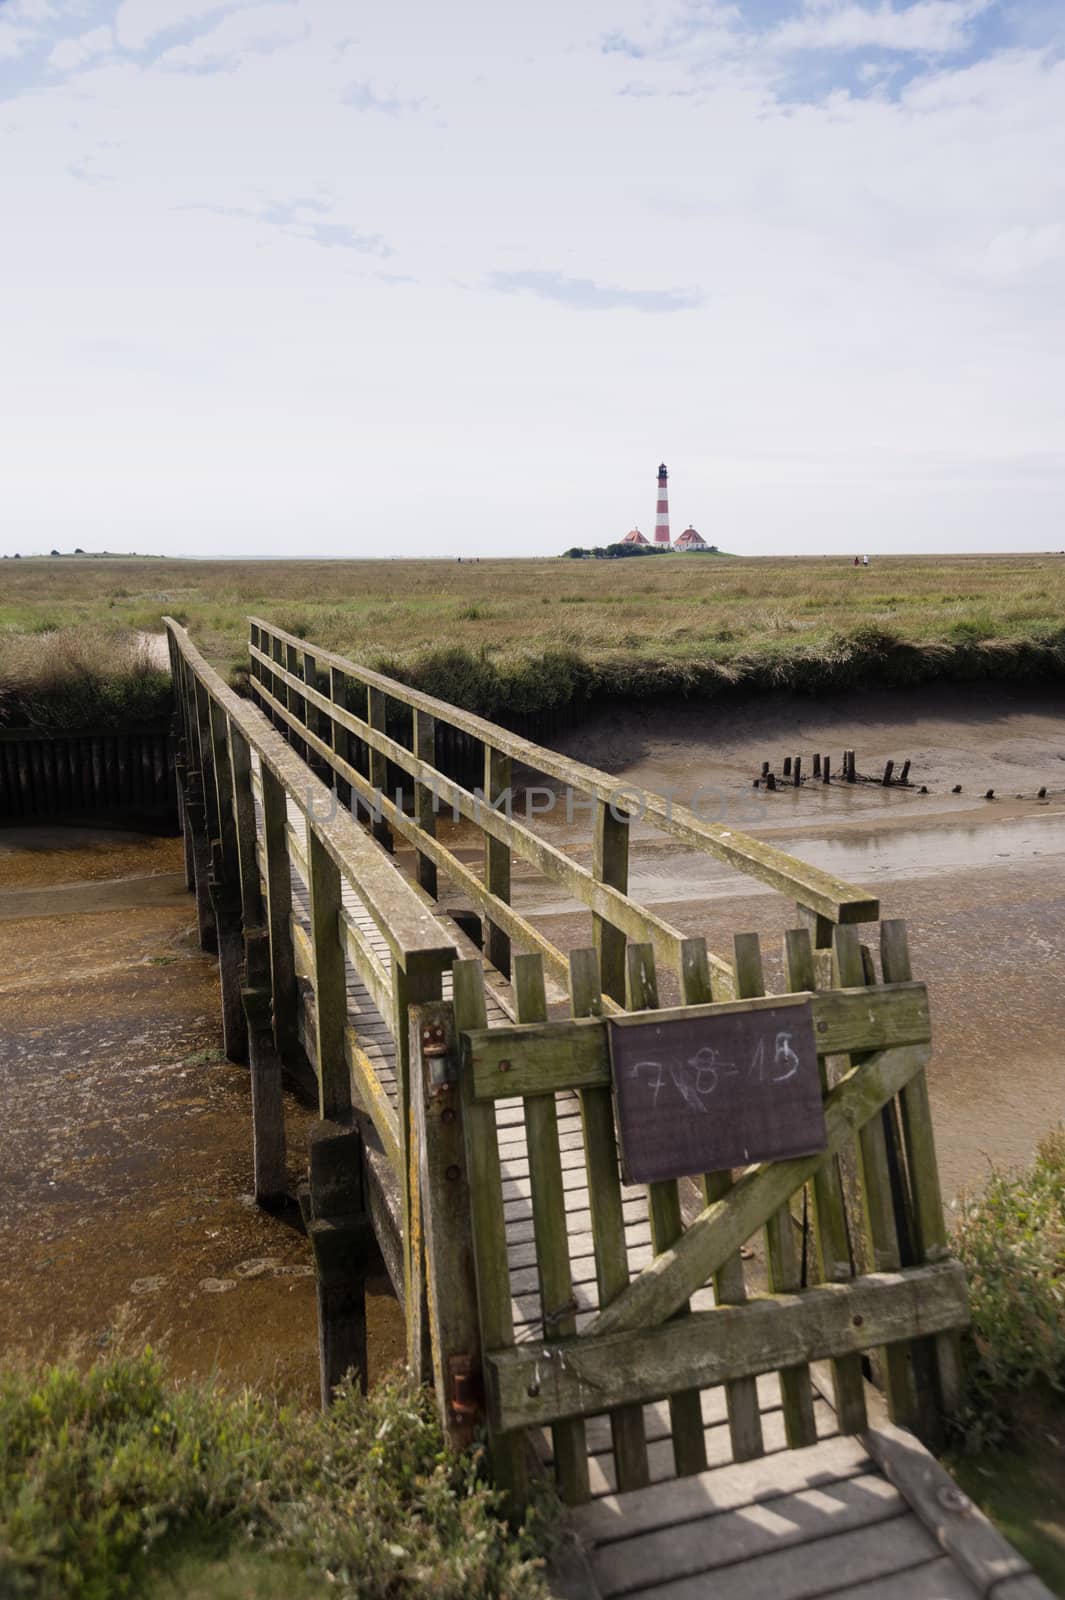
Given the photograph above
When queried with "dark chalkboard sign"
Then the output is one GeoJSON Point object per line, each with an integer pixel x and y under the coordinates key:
{"type": "Point", "coordinates": [703, 1093]}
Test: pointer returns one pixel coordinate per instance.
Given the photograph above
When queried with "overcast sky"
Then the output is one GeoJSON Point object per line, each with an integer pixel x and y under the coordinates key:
{"type": "Point", "coordinates": [321, 277]}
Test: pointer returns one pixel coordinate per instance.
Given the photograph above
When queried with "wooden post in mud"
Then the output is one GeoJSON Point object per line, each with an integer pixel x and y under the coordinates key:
{"type": "Point", "coordinates": [826, 770]}
{"type": "Point", "coordinates": [797, 772]}
{"type": "Point", "coordinates": [225, 891]}
{"type": "Point", "coordinates": [849, 770]}
{"type": "Point", "coordinates": [267, 1099]}
{"type": "Point", "coordinates": [817, 766]}
{"type": "Point", "coordinates": [340, 1234]}
{"type": "Point", "coordinates": [888, 770]}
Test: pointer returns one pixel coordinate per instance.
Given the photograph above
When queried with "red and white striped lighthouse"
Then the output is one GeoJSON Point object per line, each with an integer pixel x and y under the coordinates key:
{"type": "Point", "coordinates": [662, 510]}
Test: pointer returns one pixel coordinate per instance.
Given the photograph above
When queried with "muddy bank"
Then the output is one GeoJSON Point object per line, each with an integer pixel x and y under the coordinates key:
{"type": "Point", "coordinates": [980, 883]}
{"type": "Point", "coordinates": [125, 1170]}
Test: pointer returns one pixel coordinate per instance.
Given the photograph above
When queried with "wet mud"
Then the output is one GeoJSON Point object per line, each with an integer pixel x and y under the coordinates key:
{"type": "Point", "coordinates": [125, 1163]}
{"type": "Point", "coordinates": [980, 883]}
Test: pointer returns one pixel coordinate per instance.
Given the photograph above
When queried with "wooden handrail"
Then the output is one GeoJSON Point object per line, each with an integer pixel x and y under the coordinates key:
{"type": "Point", "coordinates": [611, 904]}
{"type": "Point", "coordinates": [818, 891]}
{"type": "Point", "coordinates": [415, 936]}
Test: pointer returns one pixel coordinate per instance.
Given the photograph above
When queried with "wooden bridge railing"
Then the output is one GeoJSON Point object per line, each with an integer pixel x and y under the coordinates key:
{"type": "Point", "coordinates": [241, 869]}
{"type": "Point", "coordinates": [339, 713]}
{"type": "Point", "coordinates": [472, 1133]}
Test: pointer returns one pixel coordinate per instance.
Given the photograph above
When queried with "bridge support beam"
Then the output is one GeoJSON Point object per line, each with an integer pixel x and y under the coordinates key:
{"type": "Point", "coordinates": [340, 1234]}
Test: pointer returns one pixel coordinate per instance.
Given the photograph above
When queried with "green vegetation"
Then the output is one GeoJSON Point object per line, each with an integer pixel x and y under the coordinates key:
{"type": "Point", "coordinates": [519, 637]}
{"type": "Point", "coordinates": [75, 677]}
{"type": "Point", "coordinates": [1012, 1242]}
{"type": "Point", "coordinates": [1011, 1451]}
{"type": "Point", "coordinates": [114, 1481]}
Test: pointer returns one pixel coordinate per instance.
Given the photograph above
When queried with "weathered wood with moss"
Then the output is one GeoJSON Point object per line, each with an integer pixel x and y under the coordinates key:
{"type": "Point", "coordinates": [423, 744]}
{"type": "Point", "coordinates": [496, 857]}
{"type": "Point", "coordinates": [607, 1217]}
{"type": "Point", "coordinates": [558, 1307]}
{"type": "Point", "coordinates": [610, 865]}
{"type": "Point", "coordinates": [330, 983]}
{"type": "Point", "coordinates": [782, 1262]}
{"type": "Point", "coordinates": [878, 1208]}
{"type": "Point", "coordinates": [576, 1055]}
{"type": "Point", "coordinates": [667, 1225]}
{"type": "Point", "coordinates": [722, 1227]}
{"type": "Point", "coordinates": [606, 902]}
{"type": "Point", "coordinates": [916, 1116]}
{"type": "Point", "coordinates": [826, 895]}
{"type": "Point", "coordinates": [830, 1222]}
{"type": "Point", "coordinates": [509, 1465]}
{"type": "Point", "coordinates": [711, 1347]}
{"type": "Point", "coordinates": [452, 1284]}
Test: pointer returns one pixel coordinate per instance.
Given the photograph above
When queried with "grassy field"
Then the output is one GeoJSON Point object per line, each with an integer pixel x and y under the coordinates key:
{"type": "Point", "coordinates": [508, 637]}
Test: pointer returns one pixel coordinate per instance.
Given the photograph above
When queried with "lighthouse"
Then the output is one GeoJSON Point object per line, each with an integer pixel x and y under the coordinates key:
{"type": "Point", "coordinates": [662, 510]}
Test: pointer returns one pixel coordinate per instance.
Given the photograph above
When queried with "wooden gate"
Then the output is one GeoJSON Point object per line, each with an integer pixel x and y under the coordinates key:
{"type": "Point", "coordinates": [590, 1338]}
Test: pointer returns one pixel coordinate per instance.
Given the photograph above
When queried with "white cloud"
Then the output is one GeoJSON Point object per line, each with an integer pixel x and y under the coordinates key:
{"type": "Point", "coordinates": [1017, 252]}
{"type": "Point", "coordinates": [75, 52]}
{"type": "Point", "coordinates": [930, 26]}
{"type": "Point", "coordinates": [138, 22]}
{"type": "Point", "coordinates": [13, 40]}
{"type": "Point", "coordinates": [258, 28]}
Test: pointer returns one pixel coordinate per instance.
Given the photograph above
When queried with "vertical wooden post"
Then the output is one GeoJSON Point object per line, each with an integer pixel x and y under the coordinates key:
{"type": "Point", "coordinates": [316, 721]}
{"type": "Point", "coordinates": [610, 865]}
{"type": "Point", "coordinates": [741, 1395]}
{"type": "Point", "coordinates": [785, 1275]}
{"type": "Point", "coordinates": [830, 1223]}
{"type": "Point", "coordinates": [797, 772]}
{"type": "Point", "coordinates": [931, 1231]}
{"type": "Point", "coordinates": [377, 717]}
{"type": "Point", "coordinates": [411, 988]}
{"type": "Point", "coordinates": [549, 1225]}
{"type": "Point", "coordinates": [424, 746]}
{"type": "Point", "coordinates": [295, 702]}
{"type": "Point", "coordinates": [667, 1225]}
{"type": "Point", "coordinates": [330, 981]}
{"type": "Point", "coordinates": [877, 1203]}
{"type": "Point", "coordinates": [280, 688]}
{"type": "Point", "coordinates": [496, 858]}
{"type": "Point", "coordinates": [279, 918]}
{"type": "Point", "coordinates": [455, 1334]}
{"type": "Point", "coordinates": [225, 893]}
{"type": "Point", "coordinates": [507, 1450]}
{"type": "Point", "coordinates": [196, 811]}
{"type": "Point", "coordinates": [608, 1220]}
{"type": "Point", "coordinates": [340, 1236]}
{"type": "Point", "coordinates": [267, 1099]}
{"type": "Point", "coordinates": [339, 737]}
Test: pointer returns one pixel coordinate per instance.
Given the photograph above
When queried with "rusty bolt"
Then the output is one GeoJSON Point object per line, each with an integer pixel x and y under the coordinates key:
{"type": "Point", "coordinates": [504, 1066]}
{"type": "Point", "coordinates": [858, 1320]}
{"type": "Point", "coordinates": [453, 1173]}
{"type": "Point", "coordinates": [822, 1026]}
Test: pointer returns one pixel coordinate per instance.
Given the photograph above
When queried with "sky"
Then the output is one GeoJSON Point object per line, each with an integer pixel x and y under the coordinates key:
{"type": "Point", "coordinates": [323, 278]}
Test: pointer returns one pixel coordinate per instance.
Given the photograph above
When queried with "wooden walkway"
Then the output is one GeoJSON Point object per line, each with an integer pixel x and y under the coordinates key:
{"type": "Point", "coordinates": [792, 1525]}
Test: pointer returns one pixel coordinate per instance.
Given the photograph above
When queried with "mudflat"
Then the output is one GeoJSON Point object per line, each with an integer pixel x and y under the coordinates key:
{"type": "Point", "coordinates": [125, 1167]}
{"type": "Point", "coordinates": [981, 883]}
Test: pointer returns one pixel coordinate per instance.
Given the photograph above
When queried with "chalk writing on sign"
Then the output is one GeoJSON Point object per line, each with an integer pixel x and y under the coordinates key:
{"type": "Point", "coordinates": [701, 1093]}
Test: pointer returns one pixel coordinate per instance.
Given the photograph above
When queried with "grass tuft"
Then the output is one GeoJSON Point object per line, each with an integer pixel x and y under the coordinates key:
{"type": "Point", "coordinates": [115, 1481]}
{"type": "Point", "coordinates": [65, 679]}
{"type": "Point", "coordinates": [1012, 1243]}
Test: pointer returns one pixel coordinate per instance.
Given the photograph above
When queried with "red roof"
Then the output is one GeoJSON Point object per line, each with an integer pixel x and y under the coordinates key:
{"type": "Point", "coordinates": [690, 540]}
{"type": "Point", "coordinates": [635, 537]}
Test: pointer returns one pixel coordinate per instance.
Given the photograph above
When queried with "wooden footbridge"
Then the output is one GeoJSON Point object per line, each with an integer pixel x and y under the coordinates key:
{"type": "Point", "coordinates": [727, 1371]}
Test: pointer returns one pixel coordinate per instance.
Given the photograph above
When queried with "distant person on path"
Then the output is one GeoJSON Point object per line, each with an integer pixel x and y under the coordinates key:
{"type": "Point", "coordinates": [865, 561]}
{"type": "Point", "coordinates": [857, 561]}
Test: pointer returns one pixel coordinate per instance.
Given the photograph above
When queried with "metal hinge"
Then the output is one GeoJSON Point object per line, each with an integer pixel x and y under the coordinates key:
{"type": "Point", "coordinates": [442, 1066]}
{"type": "Point", "coordinates": [464, 1389]}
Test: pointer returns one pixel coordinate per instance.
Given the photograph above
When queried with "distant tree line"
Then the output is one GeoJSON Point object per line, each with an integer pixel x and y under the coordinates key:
{"type": "Point", "coordinates": [620, 552]}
